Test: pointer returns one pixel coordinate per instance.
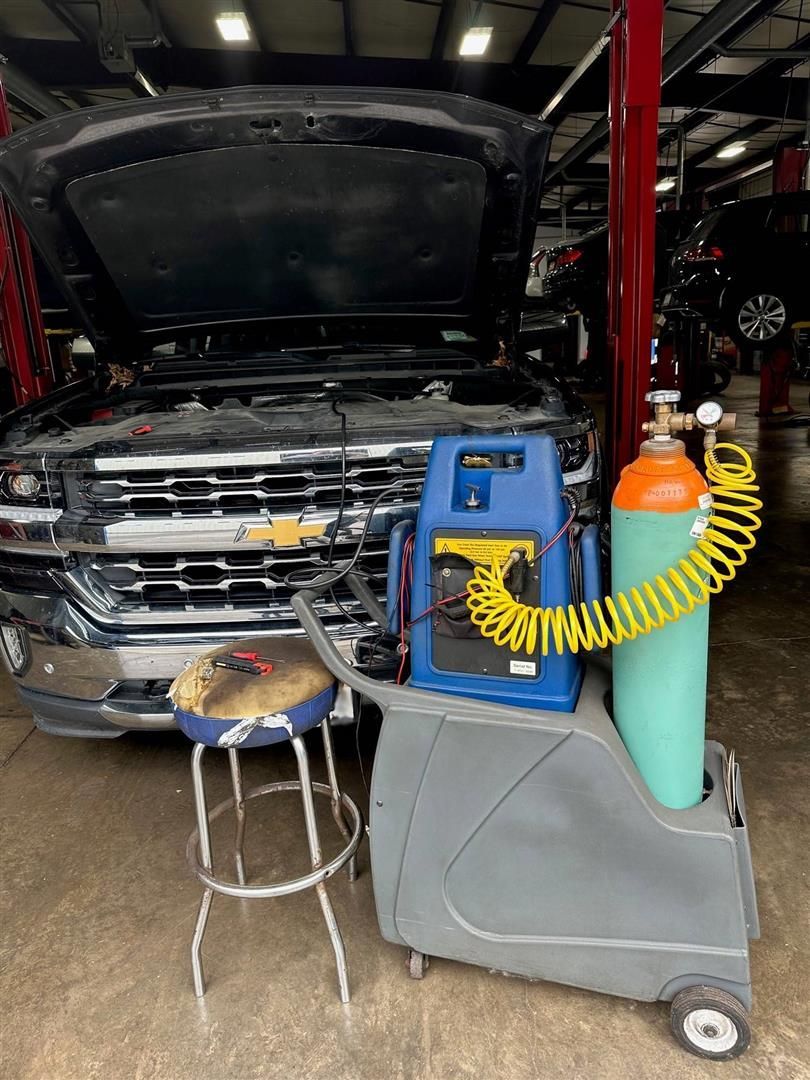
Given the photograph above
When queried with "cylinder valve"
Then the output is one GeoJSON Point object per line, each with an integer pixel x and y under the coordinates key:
{"type": "Point", "coordinates": [709, 416]}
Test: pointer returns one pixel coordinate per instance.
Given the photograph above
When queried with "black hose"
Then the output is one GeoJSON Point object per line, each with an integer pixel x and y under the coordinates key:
{"type": "Point", "coordinates": [291, 580]}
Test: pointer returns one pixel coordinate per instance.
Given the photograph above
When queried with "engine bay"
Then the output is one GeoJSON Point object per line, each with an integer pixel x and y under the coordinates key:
{"type": "Point", "coordinates": [251, 404]}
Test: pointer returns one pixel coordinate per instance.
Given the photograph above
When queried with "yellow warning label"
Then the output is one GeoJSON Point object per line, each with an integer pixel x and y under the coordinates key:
{"type": "Point", "coordinates": [481, 549]}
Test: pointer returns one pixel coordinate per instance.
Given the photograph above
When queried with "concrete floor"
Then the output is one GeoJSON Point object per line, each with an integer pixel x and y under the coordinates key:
{"type": "Point", "coordinates": [97, 905]}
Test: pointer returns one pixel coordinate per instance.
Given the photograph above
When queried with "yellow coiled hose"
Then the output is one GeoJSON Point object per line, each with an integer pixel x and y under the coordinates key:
{"type": "Point", "coordinates": [713, 561]}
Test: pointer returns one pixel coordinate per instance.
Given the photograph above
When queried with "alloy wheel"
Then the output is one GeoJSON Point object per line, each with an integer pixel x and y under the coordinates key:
{"type": "Point", "coordinates": [761, 317]}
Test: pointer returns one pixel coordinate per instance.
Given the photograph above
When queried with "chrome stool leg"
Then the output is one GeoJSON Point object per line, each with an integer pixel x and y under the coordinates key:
{"type": "Point", "coordinates": [336, 800]}
{"type": "Point", "coordinates": [239, 809]}
{"type": "Point", "coordinates": [317, 860]}
{"type": "Point", "coordinates": [201, 810]}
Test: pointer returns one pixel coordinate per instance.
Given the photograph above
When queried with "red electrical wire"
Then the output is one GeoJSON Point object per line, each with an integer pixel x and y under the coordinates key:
{"type": "Point", "coordinates": [564, 529]}
{"type": "Point", "coordinates": [405, 578]}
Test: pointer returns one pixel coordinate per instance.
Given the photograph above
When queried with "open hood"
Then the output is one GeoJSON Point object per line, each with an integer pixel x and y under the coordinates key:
{"type": "Point", "coordinates": [235, 207]}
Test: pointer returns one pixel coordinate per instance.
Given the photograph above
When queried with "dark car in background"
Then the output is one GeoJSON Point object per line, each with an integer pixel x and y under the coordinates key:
{"type": "Point", "coordinates": [577, 271]}
{"type": "Point", "coordinates": [575, 276]}
{"type": "Point", "coordinates": [745, 268]}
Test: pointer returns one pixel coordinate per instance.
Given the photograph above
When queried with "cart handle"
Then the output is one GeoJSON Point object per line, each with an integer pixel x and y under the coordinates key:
{"type": "Point", "coordinates": [303, 603]}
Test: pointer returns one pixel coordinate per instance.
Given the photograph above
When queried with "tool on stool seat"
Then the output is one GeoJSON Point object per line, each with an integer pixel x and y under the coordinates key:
{"type": "Point", "coordinates": [251, 663]}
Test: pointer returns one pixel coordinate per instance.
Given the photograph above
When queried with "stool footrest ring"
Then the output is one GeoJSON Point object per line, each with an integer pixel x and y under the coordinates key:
{"type": "Point", "coordinates": [282, 888]}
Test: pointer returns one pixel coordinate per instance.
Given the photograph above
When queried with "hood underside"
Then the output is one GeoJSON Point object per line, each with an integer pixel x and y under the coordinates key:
{"type": "Point", "coordinates": [244, 206]}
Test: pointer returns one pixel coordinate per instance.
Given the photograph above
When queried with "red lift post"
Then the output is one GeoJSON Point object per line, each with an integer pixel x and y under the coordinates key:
{"type": "Point", "coordinates": [21, 331]}
{"type": "Point", "coordinates": [635, 97]}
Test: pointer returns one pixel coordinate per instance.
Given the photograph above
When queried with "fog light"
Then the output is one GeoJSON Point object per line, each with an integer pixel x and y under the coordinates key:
{"type": "Point", "coordinates": [23, 485]}
{"type": "Point", "coordinates": [15, 646]}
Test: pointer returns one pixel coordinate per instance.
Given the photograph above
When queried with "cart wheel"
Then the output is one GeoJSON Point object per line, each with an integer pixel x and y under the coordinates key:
{"type": "Point", "coordinates": [710, 1023]}
{"type": "Point", "coordinates": [418, 964]}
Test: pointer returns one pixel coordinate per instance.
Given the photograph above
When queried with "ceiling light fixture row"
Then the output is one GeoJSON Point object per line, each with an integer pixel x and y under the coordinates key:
{"type": "Point", "coordinates": [233, 25]}
{"type": "Point", "coordinates": [476, 41]}
{"type": "Point", "coordinates": [733, 150]}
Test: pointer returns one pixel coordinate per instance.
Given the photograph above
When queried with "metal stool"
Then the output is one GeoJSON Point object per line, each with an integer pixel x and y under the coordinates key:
{"type": "Point", "coordinates": [208, 688]}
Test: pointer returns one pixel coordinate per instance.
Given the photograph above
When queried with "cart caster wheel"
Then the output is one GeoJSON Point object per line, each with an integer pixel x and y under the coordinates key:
{"type": "Point", "coordinates": [418, 964]}
{"type": "Point", "coordinates": [710, 1023]}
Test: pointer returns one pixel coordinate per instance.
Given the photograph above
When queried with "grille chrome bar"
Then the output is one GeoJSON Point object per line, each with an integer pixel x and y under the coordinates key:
{"type": "Point", "coordinates": [242, 488]}
{"type": "Point", "coordinates": [195, 581]}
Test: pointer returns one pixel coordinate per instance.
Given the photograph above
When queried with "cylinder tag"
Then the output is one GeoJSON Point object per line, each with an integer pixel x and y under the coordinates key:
{"type": "Point", "coordinates": [699, 528]}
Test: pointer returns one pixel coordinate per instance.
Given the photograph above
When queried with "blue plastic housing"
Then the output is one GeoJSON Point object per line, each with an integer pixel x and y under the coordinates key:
{"type": "Point", "coordinates": [525, 498]}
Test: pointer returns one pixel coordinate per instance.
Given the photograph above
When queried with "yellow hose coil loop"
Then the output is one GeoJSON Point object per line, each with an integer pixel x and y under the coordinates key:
{"type": "Point", "coordinates": [713, 561]}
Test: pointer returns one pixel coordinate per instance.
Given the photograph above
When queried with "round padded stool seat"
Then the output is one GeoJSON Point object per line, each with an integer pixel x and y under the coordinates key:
{"type": "Point", "coordinates": [217, 706]}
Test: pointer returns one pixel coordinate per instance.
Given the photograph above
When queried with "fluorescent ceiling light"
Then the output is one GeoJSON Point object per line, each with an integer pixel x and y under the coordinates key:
{"type": "Point", "coordinates": [476, 41]}
{"type": "Point", "coordinates": [667, 184]}
{"type": "Point", "coordinates": [233, 25]}
{"type": "Point", "coordinates": [734, 150]}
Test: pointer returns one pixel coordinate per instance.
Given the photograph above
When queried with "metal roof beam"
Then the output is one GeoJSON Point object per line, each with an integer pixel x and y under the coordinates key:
{"type": "Point", "coordinates": [27, 92]}
{"type": "Point", "coordinates": [250, 10]}
{"type": "Point", "coordinates": [67, 18]}
{"type": "Point", "coordinates": [756, 127]}
{"type": "Point", "coordinates": [443, 23]}
{"type": "Point", "coordinates": [725, 21]}
{"type": "Point", "coordinates": [536, 33]}
{"type": "Point", "coordinates": [714, 24]}
{"type": "Point", "coordinates": [348, 27]}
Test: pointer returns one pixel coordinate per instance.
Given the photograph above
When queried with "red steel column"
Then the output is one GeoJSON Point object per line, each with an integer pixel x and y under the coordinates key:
{"type": "Point", "coordinates": [635, 97]}
{"type": "Point", "coordinates": [21, 331]}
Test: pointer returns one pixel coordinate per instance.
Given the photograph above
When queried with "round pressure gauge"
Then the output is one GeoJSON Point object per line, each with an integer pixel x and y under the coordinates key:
{"type": "Point", "coordinates": [709, 413]}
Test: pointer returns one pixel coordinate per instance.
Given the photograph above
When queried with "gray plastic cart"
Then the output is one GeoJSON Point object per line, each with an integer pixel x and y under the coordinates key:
{"type": "Point", "coordinates": [525, 841]}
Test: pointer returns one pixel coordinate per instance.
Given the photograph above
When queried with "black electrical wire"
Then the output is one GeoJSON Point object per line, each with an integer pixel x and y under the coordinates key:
{"type": "Point", "coordinates": [370, 666]}
{"type": "Point", "coordinates": [329, 564]}
{"type": "Point", "coordinates": [315, 574]}
{"type": "Point", "coordinates": [339, 519]}
{"type": "Point", "coordinates": [343, 470]}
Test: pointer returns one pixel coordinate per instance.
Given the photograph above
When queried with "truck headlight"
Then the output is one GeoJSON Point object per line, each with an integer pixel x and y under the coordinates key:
{"type": "Point", "coordinates": [23, 485]}
{"type": "Point", "coordinates": [15, 647]}
{"type": "Point", "coordinates": [574, 452]}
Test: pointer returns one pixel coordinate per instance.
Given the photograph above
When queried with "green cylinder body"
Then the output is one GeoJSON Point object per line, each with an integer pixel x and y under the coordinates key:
{"type": "Point", "coordinates": [659, 679]}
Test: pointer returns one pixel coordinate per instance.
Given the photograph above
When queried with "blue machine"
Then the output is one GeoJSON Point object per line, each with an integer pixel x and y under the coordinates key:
{"type": "Point", "coordinates": [485, 497]}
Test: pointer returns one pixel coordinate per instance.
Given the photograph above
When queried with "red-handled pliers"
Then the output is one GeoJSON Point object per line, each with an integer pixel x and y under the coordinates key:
{"type": "Point", "coordinates": [251, 663]}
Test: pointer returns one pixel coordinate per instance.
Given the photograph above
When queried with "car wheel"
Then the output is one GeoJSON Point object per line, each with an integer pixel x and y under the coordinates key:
{"type": "Point", "coordinates": [759, 319]}
{"type": "Point", "coordinates": [713, 377]}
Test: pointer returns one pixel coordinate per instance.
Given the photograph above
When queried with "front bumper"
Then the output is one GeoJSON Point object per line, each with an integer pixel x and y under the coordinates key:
{"type": "Point", "coordinates": [82, 680]}
{"type": "Point", "coordinates": [98, 662]}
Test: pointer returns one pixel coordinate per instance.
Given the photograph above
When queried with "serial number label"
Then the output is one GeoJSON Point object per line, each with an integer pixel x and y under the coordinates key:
{"type": "Point", "coordinates": [522, 667]}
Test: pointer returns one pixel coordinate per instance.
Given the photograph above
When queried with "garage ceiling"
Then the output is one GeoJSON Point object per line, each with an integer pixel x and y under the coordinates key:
{"type": "Point", "coordinates": [167, 46]}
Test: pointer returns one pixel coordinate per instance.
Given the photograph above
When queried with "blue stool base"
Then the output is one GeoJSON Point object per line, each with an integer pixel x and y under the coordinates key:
{"type": "Point", "coordinates": [209, 729]}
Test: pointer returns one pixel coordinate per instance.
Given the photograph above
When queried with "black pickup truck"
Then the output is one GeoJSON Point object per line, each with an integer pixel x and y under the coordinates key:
{"type": "Point", "coordinates": [290, 292]}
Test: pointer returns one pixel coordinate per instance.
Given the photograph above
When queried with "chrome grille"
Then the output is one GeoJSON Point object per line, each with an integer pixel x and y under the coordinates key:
{"type": "Point", "coordinates": [239, 488]}
{"type": "Point", "coordinates": [194, 581]}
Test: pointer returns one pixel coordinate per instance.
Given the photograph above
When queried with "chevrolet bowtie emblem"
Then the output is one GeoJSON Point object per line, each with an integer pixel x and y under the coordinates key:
{"type": "Point", "coordinates": [282, 532]}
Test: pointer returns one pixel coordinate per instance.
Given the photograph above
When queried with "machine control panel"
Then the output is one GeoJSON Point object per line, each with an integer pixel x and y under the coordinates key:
{"type": "Point", "coordinates": [456, 645]}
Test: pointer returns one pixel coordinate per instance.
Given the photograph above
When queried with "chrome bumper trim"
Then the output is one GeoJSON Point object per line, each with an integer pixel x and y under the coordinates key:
{"type": "Point", "coordinates": [131, 719]}
{"type": "Point", "coordinates": [72, 658]}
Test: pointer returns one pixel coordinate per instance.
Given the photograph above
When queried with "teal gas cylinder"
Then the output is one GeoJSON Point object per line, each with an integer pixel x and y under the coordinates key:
{"type": "Point", "coordinates": [659, 679]}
